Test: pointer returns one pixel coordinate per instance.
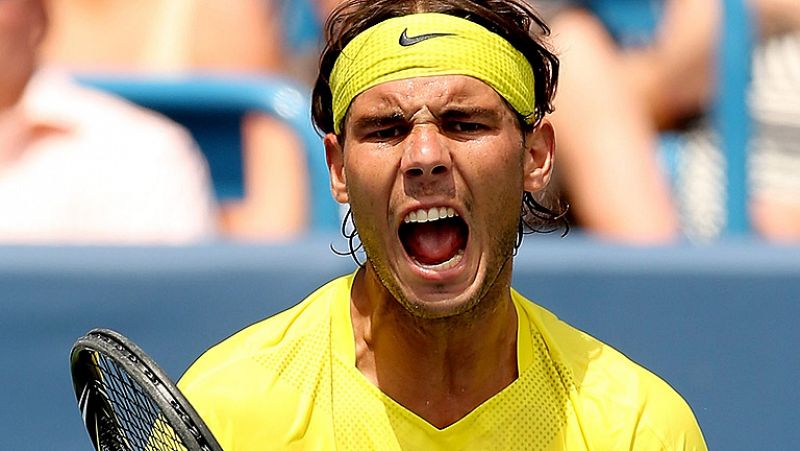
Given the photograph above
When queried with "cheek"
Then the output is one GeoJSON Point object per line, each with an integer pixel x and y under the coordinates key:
{"type": "Point", "coordinates": [370, 178]}
{"type": "Point", "coordinates": [496, 169]}
{"type": "Point", "coordinates": [495, 185]}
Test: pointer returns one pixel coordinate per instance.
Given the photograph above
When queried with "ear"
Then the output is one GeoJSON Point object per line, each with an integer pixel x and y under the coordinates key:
{"type": "Point", "coordinates": [334, 155]}
{"type": "Point", "coordinates": [540, 146]}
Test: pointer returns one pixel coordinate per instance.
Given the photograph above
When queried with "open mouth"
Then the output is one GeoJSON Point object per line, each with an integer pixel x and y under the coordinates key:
{"type": "Point", "coordinates": [434, 238]}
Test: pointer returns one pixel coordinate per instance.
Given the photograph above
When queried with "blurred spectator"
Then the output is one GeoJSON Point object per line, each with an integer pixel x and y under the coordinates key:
{"type": "Point", "coordinates": [620, 87]}
{"type": "Point", "coordinates": [610, 105]}
{"type": "Point", "coordinates": [179, 36]}
{"type": "Point", "coordinates": [325, 7]}
{"type": "Point", "coordinates": [775, 106]}
{"type": "Point", "coordinates": [777, 17]}
{"type": "Point", "coordinates": [83, 167]}
{"type": "Point", "coordinates": [163, 35]}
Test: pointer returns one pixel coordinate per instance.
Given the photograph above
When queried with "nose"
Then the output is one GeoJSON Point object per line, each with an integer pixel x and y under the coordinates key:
{"type": "Point", "coordinates": [426, 155]}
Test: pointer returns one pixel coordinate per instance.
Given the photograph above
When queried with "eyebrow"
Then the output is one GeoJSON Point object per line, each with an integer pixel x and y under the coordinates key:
{"type": "Point", "coordinates": [378, 120]}
{"type": "Point", "coordinates": [457, 112]}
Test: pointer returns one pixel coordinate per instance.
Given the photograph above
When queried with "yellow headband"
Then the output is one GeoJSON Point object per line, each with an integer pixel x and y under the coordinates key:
{"type": "Point", "coordinates": [420, 45]}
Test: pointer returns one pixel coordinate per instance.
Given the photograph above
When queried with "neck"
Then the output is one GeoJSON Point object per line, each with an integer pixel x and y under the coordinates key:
{"type": "Point", "coordinates": [440, 369]}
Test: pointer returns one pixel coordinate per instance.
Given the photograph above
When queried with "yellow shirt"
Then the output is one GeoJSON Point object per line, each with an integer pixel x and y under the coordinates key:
{"type": "Point", "coordinates": [290, 382]}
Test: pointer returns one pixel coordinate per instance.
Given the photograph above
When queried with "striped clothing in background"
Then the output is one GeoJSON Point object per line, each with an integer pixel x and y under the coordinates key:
{"type": "Point", "coordinates": [774, 161]}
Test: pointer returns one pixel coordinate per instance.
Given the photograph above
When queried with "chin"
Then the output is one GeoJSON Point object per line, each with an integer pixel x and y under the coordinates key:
{"type": "Point", "coordinates": [439, 305]}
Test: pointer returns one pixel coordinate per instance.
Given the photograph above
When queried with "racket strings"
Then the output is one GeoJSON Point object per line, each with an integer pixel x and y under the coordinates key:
{"type": "Point", "coordinates": [138, 422]}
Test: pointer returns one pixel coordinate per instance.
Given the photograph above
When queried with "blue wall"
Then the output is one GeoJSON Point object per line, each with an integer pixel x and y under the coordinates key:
{"type": "Point", "coordinates": [718, 322]}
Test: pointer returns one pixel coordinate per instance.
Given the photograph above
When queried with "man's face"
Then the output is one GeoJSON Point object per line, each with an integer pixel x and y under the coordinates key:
{"type": "Point", "coordinates": [22, 24]}
{"type": "Point", "coordinates": [434, 169]}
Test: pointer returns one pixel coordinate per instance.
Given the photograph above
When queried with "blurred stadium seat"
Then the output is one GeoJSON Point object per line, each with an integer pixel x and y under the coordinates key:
{"type": "Point", "coordinates": [301, 25]}
{"type": "Point", "coordinates": [211, 108]}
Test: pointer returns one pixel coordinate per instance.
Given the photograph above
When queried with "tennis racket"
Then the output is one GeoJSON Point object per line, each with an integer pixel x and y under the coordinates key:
{"type": "Point", "coordinates": [128, 403]}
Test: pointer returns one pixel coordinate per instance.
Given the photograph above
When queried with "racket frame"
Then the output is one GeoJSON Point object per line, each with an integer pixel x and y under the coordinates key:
{"type": "Point", "coordinates": [141, 368]}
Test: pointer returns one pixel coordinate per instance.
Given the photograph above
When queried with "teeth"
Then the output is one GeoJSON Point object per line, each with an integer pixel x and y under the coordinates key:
{"type": "Point", "coordinates": [431, 214]}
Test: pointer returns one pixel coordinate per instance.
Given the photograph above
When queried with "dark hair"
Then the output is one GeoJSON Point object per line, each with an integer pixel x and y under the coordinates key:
{"type": "Point", "coordinates": [514, 20]}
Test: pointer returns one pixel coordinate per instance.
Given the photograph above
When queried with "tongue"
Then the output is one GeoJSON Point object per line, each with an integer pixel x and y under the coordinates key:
{"type": "Point", "coordinates": [434, 243]}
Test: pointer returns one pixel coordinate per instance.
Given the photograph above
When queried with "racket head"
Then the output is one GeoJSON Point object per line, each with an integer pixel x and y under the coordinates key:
{"type": "Point", "coordinates": [127, 401]}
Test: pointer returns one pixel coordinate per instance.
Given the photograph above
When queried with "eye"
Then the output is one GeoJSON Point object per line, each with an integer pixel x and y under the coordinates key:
{"type": "Point", "coordinates": [385, 134]}
{"type": "Point", "coordinates": [465, 127]}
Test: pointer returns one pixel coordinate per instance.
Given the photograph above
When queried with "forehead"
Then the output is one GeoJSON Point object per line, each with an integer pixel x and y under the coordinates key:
{"type": "Point", "coordinates": [437, 93]}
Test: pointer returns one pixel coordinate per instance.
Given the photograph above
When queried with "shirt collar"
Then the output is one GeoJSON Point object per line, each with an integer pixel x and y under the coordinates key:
{"type": "Point", "coordinates": [47, 103]}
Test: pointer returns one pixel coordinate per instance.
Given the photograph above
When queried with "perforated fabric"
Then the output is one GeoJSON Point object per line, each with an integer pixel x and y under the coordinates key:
{"type": "Point", "coordinates": [437, 44]}
{"type": "Point", "coordinates": [527, 415]}
{"type": "Point", "coordinates": [290, 382]}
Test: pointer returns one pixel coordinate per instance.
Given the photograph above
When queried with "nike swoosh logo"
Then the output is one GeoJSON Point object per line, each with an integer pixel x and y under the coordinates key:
{"type": "Point", "coordinates": [406, 40]}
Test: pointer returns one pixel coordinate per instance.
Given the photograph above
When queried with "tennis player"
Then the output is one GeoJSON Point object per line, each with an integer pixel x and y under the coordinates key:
{"type": "Point", "coordinates": [435, 136]}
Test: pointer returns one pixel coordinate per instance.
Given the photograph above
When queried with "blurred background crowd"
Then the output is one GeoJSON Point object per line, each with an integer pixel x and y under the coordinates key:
{"type": "Point", "coordinates": [642, 145]}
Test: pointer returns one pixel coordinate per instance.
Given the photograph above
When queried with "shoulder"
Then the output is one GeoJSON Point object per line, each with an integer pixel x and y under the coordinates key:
{"type": "Point", "coordinates": [613, 393]}
{"type": "Point", "coordinates": [254, 386]}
